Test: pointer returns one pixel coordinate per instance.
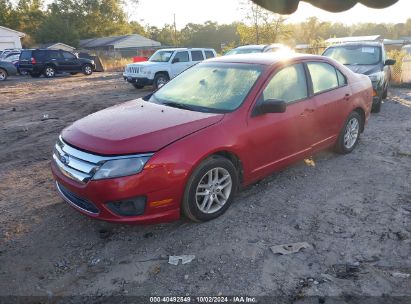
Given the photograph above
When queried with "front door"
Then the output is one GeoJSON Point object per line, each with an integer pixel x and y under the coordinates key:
{"type": "Point", "coordinates": [277, 139]}
{"type": "Point", "coordinates": [180, 63]}
{"type": "Point", "coordinates": [70, 62]}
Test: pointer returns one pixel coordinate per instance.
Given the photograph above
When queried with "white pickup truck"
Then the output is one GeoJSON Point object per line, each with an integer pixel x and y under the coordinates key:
{"type": "Point", "coordinates": [164, 65]}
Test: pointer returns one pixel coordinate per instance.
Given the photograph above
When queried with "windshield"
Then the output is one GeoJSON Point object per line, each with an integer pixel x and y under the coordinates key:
{"type": "Point", "coordinates": [355, 55]}
{"type": "Point", "coordinates": [209, 87]}
{"type": "Point", "coordinates": [161, 56]}
{"type": "Point", "coordinates": [243, 51]}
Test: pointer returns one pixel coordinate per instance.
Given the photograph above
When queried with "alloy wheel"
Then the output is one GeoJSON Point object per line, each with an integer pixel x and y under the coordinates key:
{"type": "Point", "coordinates": [49, 72]}
{"type": "Point", "coordinates": [2, 75]}
{"type": "Point", "coordinates": [213, 190]}
{"type": "Point", "coordinates": [87, 70]}
{"type": "Point", "coordinates": [351, 134]}
{"type": "Point", "coordinates": [161, 81]}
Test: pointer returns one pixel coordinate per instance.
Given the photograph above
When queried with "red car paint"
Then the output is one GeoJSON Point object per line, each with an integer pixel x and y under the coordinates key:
{"type": "Point", "coordinates": [181, 139]}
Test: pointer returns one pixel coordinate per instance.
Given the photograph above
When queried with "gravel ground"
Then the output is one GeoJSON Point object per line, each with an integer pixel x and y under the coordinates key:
{"type": "Point", "coordinates": [353, 210]}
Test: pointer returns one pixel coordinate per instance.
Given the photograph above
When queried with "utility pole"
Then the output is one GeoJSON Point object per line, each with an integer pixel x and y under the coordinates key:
{"type": "Point", "coordinates": [175, 31]}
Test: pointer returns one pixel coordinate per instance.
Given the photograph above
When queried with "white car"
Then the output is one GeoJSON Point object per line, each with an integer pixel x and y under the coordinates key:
{"type": "Point", "coordinates": [164, 65]}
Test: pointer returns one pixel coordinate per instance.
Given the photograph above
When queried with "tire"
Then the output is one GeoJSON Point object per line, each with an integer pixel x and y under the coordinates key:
{"type": "Point", "coordinates": [49, 71]}
{"type": "Point", "coordinates": [87, 69]}
{"type": "Point", "coordinates": [204, 201]}
{"type": "Point", "coordinates": [35, 75]}
{"type": "Point", "coordinates": [385, 94]}
{"type": "Point", "coordinates": [3, 75]}
{"type": "Point", "coordinates": [138, 86]}
{"type": "Point", "coordinates": [73, 73]}
{"type": "Point", "coordinates": [346, 143]}
{"type": "Point", "coordinates": [376, 108]}
{"type": "Point", "coordinates": [159, 80]}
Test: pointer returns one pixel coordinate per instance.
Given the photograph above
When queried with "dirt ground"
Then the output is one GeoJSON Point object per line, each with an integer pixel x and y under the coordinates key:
{"type": "Point", "coordinates": [353, 210]}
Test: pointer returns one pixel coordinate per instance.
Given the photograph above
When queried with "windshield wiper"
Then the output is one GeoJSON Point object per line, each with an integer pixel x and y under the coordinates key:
{"type": "Point", "coordinates": [177, 105]}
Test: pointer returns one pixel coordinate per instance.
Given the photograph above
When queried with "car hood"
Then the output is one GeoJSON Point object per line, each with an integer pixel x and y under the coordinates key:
{"type": "Point", "coordinates": [364, 69]}
{"type": "Point", "coordinates": [148, 64]}
{"type": "Point", "coordinates": [134, 127]}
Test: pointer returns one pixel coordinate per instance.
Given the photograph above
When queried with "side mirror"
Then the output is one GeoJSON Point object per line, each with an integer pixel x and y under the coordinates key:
{"type": "Point", "coordinates": [175, 60]}
{"type": "Point", "coordinates": [390, 62]}
{"type": "Point", "coordinates": [272, 106]}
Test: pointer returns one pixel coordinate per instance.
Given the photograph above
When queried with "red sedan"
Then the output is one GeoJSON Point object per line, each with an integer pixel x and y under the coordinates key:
{"type": "Point", "coordinates": [222, 124]}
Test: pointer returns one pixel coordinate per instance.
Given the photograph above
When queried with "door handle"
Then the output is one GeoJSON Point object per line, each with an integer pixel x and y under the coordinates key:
{"type": "Point", "coordinates": [306, 111]}
{"type": "Point", "coordinates": [347, 96]}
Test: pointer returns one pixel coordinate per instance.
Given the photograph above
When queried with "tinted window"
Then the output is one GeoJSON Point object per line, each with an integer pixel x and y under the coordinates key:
{"type": "Point", "coordinates": [355, 54]}
{"type": "Point", "coordinates": [197, 55]}
{"type": "Point", "coordinates": [68, 55]}
{"type": "Point", "coordinates": [39, 55]}
{"type": "Point", "coordinates": [25, 55]}
{"type": "Point", "coordinates": [341, 78]}
{"type": "Point", "coordinates": [54, 54]}
{"type": "Point", "coordinates": [209, 54]}
{"type": "Point", "coordinates": [289, 84]}
{"type": "Point", "coordinates": [181, 56]}
{"type": "Point", "coordinates": [323, 76]}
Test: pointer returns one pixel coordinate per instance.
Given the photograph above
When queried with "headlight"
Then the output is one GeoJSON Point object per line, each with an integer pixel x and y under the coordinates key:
{"type": "Point", "coordinates": [376, 77]}
{"type": "Point", "coordinates": [92, 61]}
{"type": "Point", "coordinates": [121, 167]}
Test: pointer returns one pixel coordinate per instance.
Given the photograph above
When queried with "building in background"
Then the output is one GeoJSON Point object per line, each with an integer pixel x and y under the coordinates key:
{"type": "Point", "coordinates": [122, 46]}
{"type": "Point", "coordinates": [10, 39]}
{"type": "Point", "coordinates": [57, 46]}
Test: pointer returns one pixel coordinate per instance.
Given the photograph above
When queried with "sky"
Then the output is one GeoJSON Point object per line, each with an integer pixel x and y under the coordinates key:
{"type": "Point", "coordinates": [160, 12]}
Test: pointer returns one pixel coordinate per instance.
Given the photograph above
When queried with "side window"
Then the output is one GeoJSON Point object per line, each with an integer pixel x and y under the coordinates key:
{"type": "Point", "coordinates": [68, 55]}
{"type": "Point", "coordinates": [25, 55]}
{"type": "Point", "coordinates": [209, 54]}
{"type": "Point", "coordinates": [54, 54]}
{"type": "Point", "coordinates": [323, 76]}
{"type": "Point", "coordinates": [342, 81]}
{"type": "Point", "coordinates": [181, 57]}
{"type": "Point", "coordinates": [289, 84]}
{"type": "Point", "coordinates": [39, 55]}
{"type": "Point", "coordinates": [197, 55]}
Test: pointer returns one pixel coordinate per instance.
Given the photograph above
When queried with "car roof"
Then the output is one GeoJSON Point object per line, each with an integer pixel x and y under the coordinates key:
{"type": "Point", "coordinates": [264, 58]}
{"type": "Point", "coordinates": [186, 49]}
{"type": "Point", "coordinates": [252, 46]}
{"type": "Point", "coordinates": [365, 43]}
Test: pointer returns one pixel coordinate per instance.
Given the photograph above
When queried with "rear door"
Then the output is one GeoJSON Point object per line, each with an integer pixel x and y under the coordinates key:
{"type": "Point", "coordinates": [196, 56]}
{"type": "Point", "coordinates": [277, 139]}
{"type": "Point", "coordinates": [55, 57]}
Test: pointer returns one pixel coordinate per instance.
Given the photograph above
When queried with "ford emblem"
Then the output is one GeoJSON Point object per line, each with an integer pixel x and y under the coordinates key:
{"type": "Point", "coordinates": [64, 159]}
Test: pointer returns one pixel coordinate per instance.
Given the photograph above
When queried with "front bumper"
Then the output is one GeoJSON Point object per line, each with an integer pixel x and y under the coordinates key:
{"type": "Point", "coordinates": [143, 81]}
{"type": "Point", "coordinates": [92, 197]}
{"type": "Point", "coordinates": [378, 88]}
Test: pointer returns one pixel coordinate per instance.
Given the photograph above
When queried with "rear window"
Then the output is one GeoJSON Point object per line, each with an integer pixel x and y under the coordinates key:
{"type": "Point", "coordinates": [209, 54]}
{"type": "Point", "coordinates": [25, 55]}
{"type": "Point", "coordinates": [197, 55]}
{"type": "Point", "coordinates": [54, 54]}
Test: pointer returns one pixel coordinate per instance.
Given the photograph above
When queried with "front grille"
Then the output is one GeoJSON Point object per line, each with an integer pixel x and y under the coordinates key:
{"type": "Point", "coordinates": [76, 200]}
{"type": "Point", "coordinates": [80, 165]}
{"type": "Point", "coordinates": [74, 163]}
{"type": "Point", "coordinates": [133, 70]}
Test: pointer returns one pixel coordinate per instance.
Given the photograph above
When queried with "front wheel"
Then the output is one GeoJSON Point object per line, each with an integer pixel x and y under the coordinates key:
{"type": "Point", "coordinates": [87, 70]}
{"type": "Point", "coordinates": [138, 86]}
{"type": "Point", "coordinates": [160, 80]}
{"type": "Point", "coordinates": [350, 134]}
{"type": "Point", "coordinates": [3, 75]}
{"type": "Point", "coordinates": [210, 189]}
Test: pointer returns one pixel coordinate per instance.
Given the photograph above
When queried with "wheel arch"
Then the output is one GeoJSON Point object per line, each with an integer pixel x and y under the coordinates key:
{"type": "Point", "coordinates": [162, 72]}
{"type": "Point", "coordinates": [361, 112]}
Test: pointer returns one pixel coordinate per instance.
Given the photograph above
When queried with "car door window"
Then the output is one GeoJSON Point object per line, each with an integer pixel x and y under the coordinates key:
{"type": "Point", "coordinates": [68, 55]}
{"type": "Point", "coordinates": [209, 54]}
{"type": "Point", "coordinates": [289, 84]}
{"type": "Point", "coordinates": [54, 55]}
{"type": "Point", "coordinates": [197, 55]}
{"type": "Point", "coordinates": [323, 76]}
{"type": "Point", "coordinates": [342, 81]}
{"type": "Point", "coordinates": [181, 57]}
